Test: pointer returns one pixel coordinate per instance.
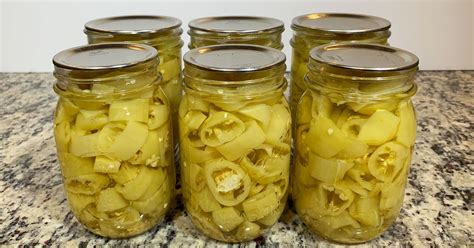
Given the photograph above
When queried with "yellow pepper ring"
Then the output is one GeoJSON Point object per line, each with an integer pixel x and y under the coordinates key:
{"type": "Point", "coordinates": [225, 172]}
{"type": "Point", "coordinates": [334, 199]}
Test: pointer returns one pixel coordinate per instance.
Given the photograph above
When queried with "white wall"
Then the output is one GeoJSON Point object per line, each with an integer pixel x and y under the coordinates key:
{"type": "Point", "coordinates": [440, 32]}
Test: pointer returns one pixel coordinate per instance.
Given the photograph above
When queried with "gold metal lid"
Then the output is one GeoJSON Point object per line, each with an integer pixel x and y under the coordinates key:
{"type": "Point", "coordinates": [105, 56]}
{"type": "Point", "coordinates": [234, 58]}
{"type": "Point", "coordinates": [352, 57]}
{"type": "Point", "coordinates": [240, 25]}
{"type": "Point", "coordinates": [135, 24]}
{"type": "Point", "coordinates": [340, 23]}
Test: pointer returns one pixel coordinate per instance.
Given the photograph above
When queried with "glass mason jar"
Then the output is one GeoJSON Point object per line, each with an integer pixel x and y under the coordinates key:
{"type": "Point", "coordinates": [355, 131]}
{"type": "Point", "coordinates": [235, 131]}
{"type": "Point", "coordinates": [113, 137]}
{"type": "Point", "coordinates": [313, 30]}
{"type": "Point", "coordinates": [161, 32]}
{"type": "Point", "coordinates": [253, 30]}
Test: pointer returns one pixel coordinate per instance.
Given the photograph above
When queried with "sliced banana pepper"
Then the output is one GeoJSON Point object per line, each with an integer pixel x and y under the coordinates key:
{"type": "Point", "coordinates": [259, 112]}
{"type": "Point", "coordinates": [387, 161]}
{"type": "Point", "coordinates": [279, 125]}
{"type": "Point", "coordinates": [304, 113]}
{"type": "Point", "coordinates": [79, 201]}
{"type": "Point", "coordinates": [229, 184]}
{"type": "Point", "coordinates": [260, 205]}
{"type": "Point", "coordinates": [328, 170]}
{"type": "Point", "coordinates": [84, 145]}
{"type": "Point", "coordinates": [334, 199]}
{"type": "Point", "coordinates": [248, 231]}
{"type": "Point", "coordinates": [155, 151]}
{"type": "Point", "coordinates": [157, 116]}
{"type": "Point", "coordinates": [366, 211]}
{"type": "Point", "coordinates": [381, 127]}
{"type": "Point", "coordinates": [263, 168]}
{"type": "Point", "coordinates": [62, 135]}
{"type": "Point", "coordinates": [341, 220]}
{"type": "Point", "coordinates": [207, 202]}
{"type": "Point", "coordinates": [110, 200]}
{"type": "Point", "coordinates": [73, 166]}
{"type": "Point", "coordinates": [122, 142]}
{"type": "Point", "coordinates": [129, 110]}
{"type": "Point", "coordinates": [66, 111]}
{"type": "Point", "coordinates": [87, 184]}
{"type": "Point", "coordinates": [252, 137]}
{"type": "Point", "coordinates": [321, 105]}
{"type": "Point", "coordinates": [227, 219]}
{"type": "Point", "coordinates": [219, 128]}
{"type": "Point", "coordinates": [325, 138]}
{"type": "Point", "coordinates": [91, 119]}
{"type": "Point", "coordinates": [198, 155]}
{"type": "Point", "coordinates": [406, 134]}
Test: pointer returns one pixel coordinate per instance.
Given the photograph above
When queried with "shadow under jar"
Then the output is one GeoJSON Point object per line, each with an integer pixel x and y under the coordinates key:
{"type": "Point", "coordinates": [161, 32]}
{"type": "Point", "coordinates": [253, 30]}
{"type": "Point", "coordinates": [318, 29]}
{"type": "Point", "coordinates": [355, 131]}
{"type": "Point", "coordinates": [235, 131]}
{"type": "Point", "coordinates": [113, 137]}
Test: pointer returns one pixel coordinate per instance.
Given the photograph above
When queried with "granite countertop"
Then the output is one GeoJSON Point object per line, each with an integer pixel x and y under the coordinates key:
{"type": "Point", "coordinates": [438, 208]}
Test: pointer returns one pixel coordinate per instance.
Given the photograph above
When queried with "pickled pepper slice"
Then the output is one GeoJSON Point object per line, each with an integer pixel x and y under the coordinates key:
{"type": "Point", "coordinates": [260, 112]}
{"type": "Point", "coordinates": [406, 134]}
{"type": "Point", "coordinates": [392, 193]}
{"type": "Point", "coordinates": [262, 167]}
{"type": "Point", "coordinates": [333, 199]}
{"type": "Point", "coordinates": [252, 137]}
{"type": "Point", "coordinates": [279, 124]}
{"type": "Point", "coordinates": [381, 127]}
{"type": "Point", "coordinates": [325, 138]}
{"type": "Point", "coordinates": [387, 160]}
{"type": "Point", "coordinates": [248, 231]}
{"type": "Point", "coordinates": [321, 105]}
{"type": "Point", "coordinates": [342, 220]}
{"type": "Point", "coordinates": [302, 175]}
{"type": "Point", "coordinates": [328, 170]}
{"type": "Point", "coordinates": [62, 135]}
{"type": "Point", "coordinates": [91, 119]}
{"type": "Point", "coordinates": [366, 211]}
{"type": "Point", "coordinates": [198, 155]}
{"type": "Point", "coordinates": [363, 178]}
{"type": "Point", "coordinates": [157, 116]}
{"type": "Point", "coordinates": [220, 127]}
{"type": "Point", "coordinates": [229, 184]}
{"type": "Point", "coordinates": [260, 205]}
{"type": "Point", "coordinates": [110, 200]}
{"type": "Point", "coordinates": [227, 219]}
{"type": "Point", "coordinates": [303, 112]}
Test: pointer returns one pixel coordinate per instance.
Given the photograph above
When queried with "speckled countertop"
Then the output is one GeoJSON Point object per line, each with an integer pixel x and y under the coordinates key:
{"type": "Point", "coordinates": [438, 208]}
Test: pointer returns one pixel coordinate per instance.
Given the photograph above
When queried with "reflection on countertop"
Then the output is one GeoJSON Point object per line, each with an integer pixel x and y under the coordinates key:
{"type": "Point", "coordinates": [437, 210]}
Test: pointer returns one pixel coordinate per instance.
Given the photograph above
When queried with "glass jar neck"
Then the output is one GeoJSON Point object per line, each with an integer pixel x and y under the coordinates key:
{"type": "Point", "coordinates": [363, 86]}
{"type": "Point", "coordinates": [309, 39]}
{"type": "Point", "coordinates": [235, 86]}
{"type": "Point", "coordinates": [161, 41]}
{"type": "Point", "coordinates": [200, 39]}
{"type": "Point", "coordinates": [105, 84]}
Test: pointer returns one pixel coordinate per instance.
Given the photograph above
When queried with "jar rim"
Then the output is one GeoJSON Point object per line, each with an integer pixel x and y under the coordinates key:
{"type": "Point", "coordinates": [130, 25]}
{"type": "Point", "coordinates": [339, 23]}
{"type": "Point", "coordinates": [244, 25]}
{"type": "Point", "coordinates": [234, 58]}
{"type": "Point", "coordinates": [347, 58]}
{"type": "Point", "coordinates": [107, 57]}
